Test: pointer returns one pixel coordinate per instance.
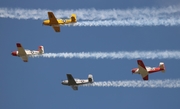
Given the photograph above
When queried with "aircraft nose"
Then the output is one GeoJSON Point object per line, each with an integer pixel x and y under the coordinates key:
{"type": "Point", "coordinates": [133, 70]}
{"type": "Point", "coordinates": [45, 22]}
{"type": "Point", "coordinates": [14, 53]}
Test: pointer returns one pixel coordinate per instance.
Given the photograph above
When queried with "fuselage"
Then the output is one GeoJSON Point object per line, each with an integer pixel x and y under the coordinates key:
{"type": "Point", "coordinates": [28, 53]}
{"type": "Point", "coordinates": [78, 82]}
{"type": "Point", "coordinates": [60, 22]}
{"type": "Point", "coordinates": [149, 70]}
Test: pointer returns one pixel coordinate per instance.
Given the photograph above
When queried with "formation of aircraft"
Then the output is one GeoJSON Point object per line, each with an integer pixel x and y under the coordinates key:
{"type": "Point", "coordinates": [25, 53]}
{"type": "Point", "coordinates": [55, 23]}
{"type": "Point", "coordinates": [144, 70]}
{"type": "Point", "coordinates": [75, 82]}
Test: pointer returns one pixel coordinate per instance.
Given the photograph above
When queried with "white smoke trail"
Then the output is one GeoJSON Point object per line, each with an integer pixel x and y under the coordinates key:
{"type": "Point", "coordinates": [116, 55]}
{"type": "Point", "coordinates": [168, 83]}
{"type": "Point", "coordinates": [94, 14]}
{"type": "Point", "coordinates": [131, 22]}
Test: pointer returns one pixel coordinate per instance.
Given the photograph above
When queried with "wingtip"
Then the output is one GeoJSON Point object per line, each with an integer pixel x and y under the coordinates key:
{"type": "Point", "coordinates": [146, 78]}
{"type": "Point", "coordinates": [18, 44]}
{"type": "Point", "coordinates": [49, 12]}
{"type": "Point", "coordinates": [68, 74]}
{"type": "Point", "coordinates": [139, 60]}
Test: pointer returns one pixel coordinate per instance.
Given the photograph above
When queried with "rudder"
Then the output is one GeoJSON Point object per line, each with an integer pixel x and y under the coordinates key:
{"type": "Point", "coordinates": [162, 66]}
{"type": "Point", "coordinates": [90, 78]}
{"type": "Point", "coordinates": [41, 49]}
{"type": "Point", "coordinates": [73, 18]}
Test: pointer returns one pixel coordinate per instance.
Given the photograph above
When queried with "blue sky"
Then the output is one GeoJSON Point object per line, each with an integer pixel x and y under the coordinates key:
{"type": "Point", "coordinates": [37, 84]}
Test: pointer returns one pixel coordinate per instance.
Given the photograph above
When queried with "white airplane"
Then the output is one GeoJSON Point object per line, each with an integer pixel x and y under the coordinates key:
{"type": "Point", "coordinates": [25, 53]}
{"type": "Point", "coordinates": [75, 82]}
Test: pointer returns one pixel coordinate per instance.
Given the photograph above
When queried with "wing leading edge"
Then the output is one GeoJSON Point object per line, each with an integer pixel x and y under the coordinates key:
{"type": "Point", "coordinates": [53, 22]}
{"type": "Point", "coordinates": [72, 82]}
{"type": "Point", "coordinates": [142, 69]}
{"type": "Point", "coordinates": [21, 52]}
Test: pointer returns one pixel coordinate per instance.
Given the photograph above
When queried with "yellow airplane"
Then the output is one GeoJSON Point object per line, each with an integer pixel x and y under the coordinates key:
{"type": "Point", "coordinates": [55, 23]}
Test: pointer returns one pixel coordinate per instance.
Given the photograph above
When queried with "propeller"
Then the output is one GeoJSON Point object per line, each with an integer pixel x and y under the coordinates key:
{"type": "Point", "coordinates": [11, 52]}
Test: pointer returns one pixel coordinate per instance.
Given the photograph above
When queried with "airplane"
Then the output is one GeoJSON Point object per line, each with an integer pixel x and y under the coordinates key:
{"type": "Point", "coordinates": [55, 23]}
{"type": "Point", "coordinates": [75, 82]}
{"type": "Point", "coordinates": [24, 53]}
{"type": "Point", "coordinates": [144, 70]}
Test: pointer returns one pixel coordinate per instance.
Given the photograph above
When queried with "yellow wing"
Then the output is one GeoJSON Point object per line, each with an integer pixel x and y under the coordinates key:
{"type": "Point", "coordinates": [52, 18]}
{"type": "Point", "coordinates": [53, 22]}
{"type": "Point", "coordinates": [57, 29]}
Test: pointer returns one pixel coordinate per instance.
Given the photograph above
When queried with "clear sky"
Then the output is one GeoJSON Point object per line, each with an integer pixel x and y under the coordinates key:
{"type": "Point", "coordinates": [37, 83]}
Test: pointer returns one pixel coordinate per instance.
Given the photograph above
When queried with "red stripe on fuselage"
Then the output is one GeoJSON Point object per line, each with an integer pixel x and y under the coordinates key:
{"type": "Point", "coordinates": [155, 70]}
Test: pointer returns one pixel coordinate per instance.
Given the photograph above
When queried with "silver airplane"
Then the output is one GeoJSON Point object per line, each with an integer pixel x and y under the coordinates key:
{"type": "Point", "coordinates": [75, 82]}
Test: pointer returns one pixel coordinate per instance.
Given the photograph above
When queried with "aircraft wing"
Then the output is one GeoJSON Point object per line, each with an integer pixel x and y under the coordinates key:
{"type": "Point", "coordinates": [56, 28]}
{"type": "Point", "coordinates": [24, 58]}
{"type": "Point", "coordinates": [71, 80]}
{"type": "Point", "coordinates": [53, 21]}
{"type": "Point", "coordinates": [21, 52]}
{"type": "Point", "coordinates": [52, 18]}
{"type": "Point", "coordinates": [74, 87]}
{"type": "Point", "coordinates": [142, 69]}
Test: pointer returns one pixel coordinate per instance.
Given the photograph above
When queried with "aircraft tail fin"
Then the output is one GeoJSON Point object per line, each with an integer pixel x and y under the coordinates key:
{"type": "Point", "coordinates": [41, 49]}
{"type": "Point", "coordinates": [73, 18]}
{"type": "Point", "coordinates": [90, 78]}
{"type": "Point", "coordinates": [162, 66]}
